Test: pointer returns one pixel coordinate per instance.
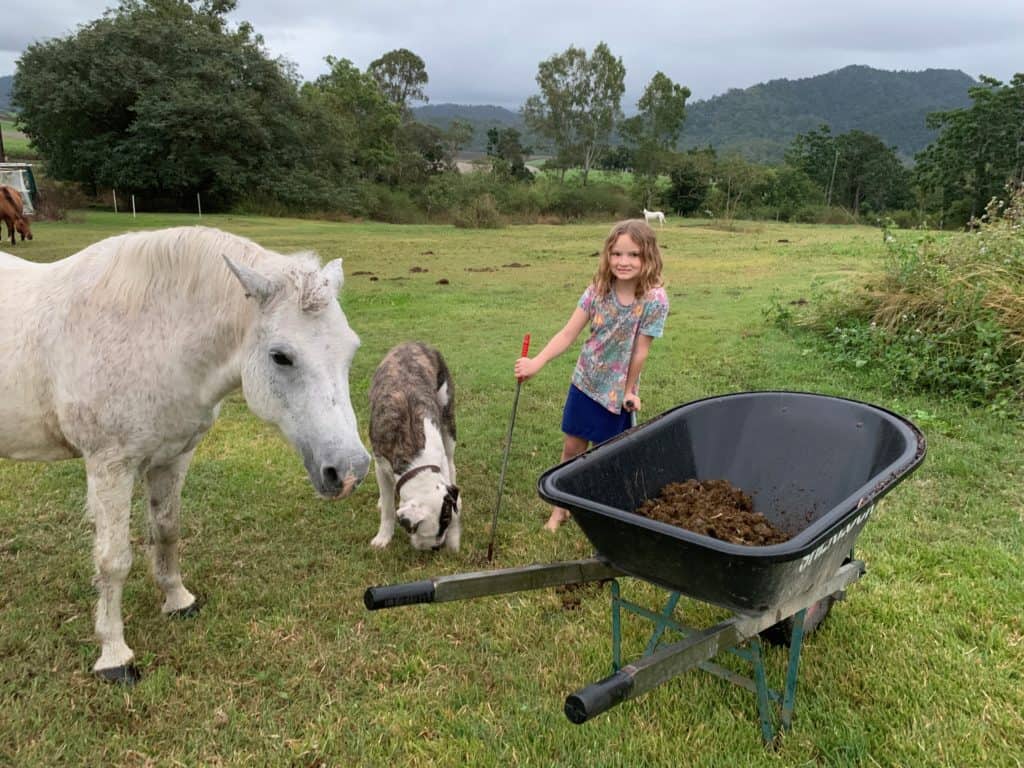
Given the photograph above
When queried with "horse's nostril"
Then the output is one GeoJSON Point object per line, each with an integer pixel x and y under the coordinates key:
{"type": "Point", "coordinates": [330, 476]}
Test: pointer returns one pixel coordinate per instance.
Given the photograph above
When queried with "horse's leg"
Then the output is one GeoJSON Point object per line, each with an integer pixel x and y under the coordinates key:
{"type": "Point", "coordinates": [109, 501]}
{"type": "Point", "coordinates": [164, 487]}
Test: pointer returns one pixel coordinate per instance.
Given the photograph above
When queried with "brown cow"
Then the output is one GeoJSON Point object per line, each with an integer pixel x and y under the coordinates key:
{"type": "Point", "coordinates": [13, 212]}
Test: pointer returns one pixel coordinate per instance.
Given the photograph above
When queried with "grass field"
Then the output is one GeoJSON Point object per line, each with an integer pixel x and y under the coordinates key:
{"type": "Point", "coordinates": [920, 666]}
{"type": "Point", "coordinates": [15, 143]}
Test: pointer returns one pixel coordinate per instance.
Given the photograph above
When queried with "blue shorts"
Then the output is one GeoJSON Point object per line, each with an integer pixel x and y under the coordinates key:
{"type": "Point", "coordinates": [588, 419]}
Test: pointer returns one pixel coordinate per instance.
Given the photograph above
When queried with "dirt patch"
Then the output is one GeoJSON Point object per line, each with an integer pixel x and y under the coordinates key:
{"type": "Point", "coordinates": [361, 272]}
{"type": "Point", "coordinates": [418, 269]}
{"type": "Point", "coordinates": [712, 508]}
{"type": "Point", "coordinates": [443, 281]}
{"type": "Point", "coordinates": [515, 265]}
{"type": "Point", "coordinates": [481, 269]}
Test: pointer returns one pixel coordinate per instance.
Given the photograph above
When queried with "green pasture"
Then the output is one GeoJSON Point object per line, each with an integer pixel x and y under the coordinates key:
{"type": "Point", "coordinates": [15, 142]}
{"type": "Point", "coordinates": [920, 666]}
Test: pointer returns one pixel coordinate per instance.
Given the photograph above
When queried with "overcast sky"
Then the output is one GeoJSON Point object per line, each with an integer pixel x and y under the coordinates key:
{"type": "Point", "coordinates": [486, 52]}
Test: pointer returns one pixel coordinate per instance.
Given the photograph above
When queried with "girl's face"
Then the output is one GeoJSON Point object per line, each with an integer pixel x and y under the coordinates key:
{"type": "Point", "coordinates": [625, 258]}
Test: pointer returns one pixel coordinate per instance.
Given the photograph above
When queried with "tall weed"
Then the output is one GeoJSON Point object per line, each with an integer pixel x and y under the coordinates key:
{"type": "Point", "coordinates": [946, 315]}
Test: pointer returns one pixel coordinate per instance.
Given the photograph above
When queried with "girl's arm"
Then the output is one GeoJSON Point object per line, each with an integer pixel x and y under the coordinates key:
{"type": "Point", "coordinates": [561, 341]}
{"type": "Point", "coordinates": [631, 401]}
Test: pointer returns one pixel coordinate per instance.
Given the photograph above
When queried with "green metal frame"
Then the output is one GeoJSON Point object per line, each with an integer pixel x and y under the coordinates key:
{"type": "Point", "coordinates": [768, 699]}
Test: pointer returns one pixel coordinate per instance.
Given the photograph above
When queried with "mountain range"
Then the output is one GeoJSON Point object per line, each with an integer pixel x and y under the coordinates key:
{"type": "Point", "coordinates": [759, 122]}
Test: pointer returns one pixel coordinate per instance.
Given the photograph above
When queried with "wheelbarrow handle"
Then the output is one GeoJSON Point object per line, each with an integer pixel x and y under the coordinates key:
{"type": "Point", "coordinates": [395, 595]}
{"type": "Point", "coordinates": [598, 697]}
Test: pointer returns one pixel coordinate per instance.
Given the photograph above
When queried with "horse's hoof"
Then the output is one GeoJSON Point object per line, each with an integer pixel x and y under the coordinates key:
{"type": "Point", "coordinates": [126, 674]}
{"type": "Point", "coordinates": [186, 613]}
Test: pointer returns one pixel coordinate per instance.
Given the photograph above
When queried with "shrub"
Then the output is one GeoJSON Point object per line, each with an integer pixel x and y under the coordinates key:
{"type": "Point", "coordinates": [393, 205]}
{"type": "Point", "coordinates": [946, 315]}
{"type": "Point", "coordinates": [55, 199]}
{"type": "Point", "coordinates": [479, 213]}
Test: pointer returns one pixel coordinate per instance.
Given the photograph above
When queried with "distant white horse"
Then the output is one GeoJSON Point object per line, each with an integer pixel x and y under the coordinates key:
{"type": "Point", "coordinates": [658, 216]}
{"type": "Point", "coordinates": [122, 353]}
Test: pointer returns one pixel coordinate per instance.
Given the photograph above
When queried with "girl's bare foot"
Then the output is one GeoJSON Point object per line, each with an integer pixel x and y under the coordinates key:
{"type": "Point", "coordinates": [558, 516]}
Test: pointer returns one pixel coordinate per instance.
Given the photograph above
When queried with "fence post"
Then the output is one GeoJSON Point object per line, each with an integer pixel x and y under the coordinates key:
{"type": "Point", "coordinates": [114, 192]}
{"type": "Point", "coordinates": [133, 206]}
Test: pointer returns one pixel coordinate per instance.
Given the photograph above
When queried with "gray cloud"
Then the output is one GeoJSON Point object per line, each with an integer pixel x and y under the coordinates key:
{"type": "Point", "coordinates": [487, 52]}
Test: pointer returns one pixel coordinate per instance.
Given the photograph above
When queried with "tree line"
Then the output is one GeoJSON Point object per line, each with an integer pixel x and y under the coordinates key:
{"type": "Point", "coordinates": [165, 98]}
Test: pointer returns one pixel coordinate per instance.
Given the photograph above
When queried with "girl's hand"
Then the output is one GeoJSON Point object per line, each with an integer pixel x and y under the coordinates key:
{"type": "Point", "coordinates": [526, 367]}
{"type": "Point", "coordinates": [631, 402]}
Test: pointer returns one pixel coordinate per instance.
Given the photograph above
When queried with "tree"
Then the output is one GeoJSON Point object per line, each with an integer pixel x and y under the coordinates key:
{"type": "Point", "coordinates": [508, 154]}
{"type": "Point", "coordinates": [735, 180]}
{"type": "Point", "coordinates": [654, 131]}
{"type": "Point", "coordinates": [663, 109]}
{"type": "Point", "coordinates": [421, 153]}
{"type": "Point", "coordinates": [401, 75]}
{"type": "Point", "coordinates": [458, 135]}
{"type": "Point", "coordinates": [160, 97]}
{"type": "Point", "coordinates": [579, 104]}
{"type": "Point", "coordinates": [979, 150]}
{"type": "Point", "coordinates": [689, 180]}
{"type": "Point", "coordinates": [785, 190]}
{"type": "Point", "coordinates": [815, 153]}
{"type": "Point", "coordinates": [869, 174]}
{"type": "Point", "coordinates": [853, 168]}
{"type": "Point", "coordinates": [349, 124]}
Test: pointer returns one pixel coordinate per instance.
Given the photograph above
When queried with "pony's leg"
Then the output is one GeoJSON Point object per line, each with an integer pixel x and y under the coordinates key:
{"type": "Point", "coordinates": [449, 454]}
{"type": "Point", "coordinates": [109, 501]}
{"type": "Point", "coordinates": [455, 531]}
{"type": "Point", "coordinates": [164, 485]}
{"type": "Point", "coordinates": [386, 505]}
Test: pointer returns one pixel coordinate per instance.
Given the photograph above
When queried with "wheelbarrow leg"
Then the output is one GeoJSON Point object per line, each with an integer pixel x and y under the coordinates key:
{"type": "Point", "coordinates": [789, 697]}
{"type": "Point", "coordinates": [764, 704]}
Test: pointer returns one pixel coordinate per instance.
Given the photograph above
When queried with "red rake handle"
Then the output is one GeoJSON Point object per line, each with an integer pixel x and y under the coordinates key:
{"type": "Point", "coordinates": [526, 349]}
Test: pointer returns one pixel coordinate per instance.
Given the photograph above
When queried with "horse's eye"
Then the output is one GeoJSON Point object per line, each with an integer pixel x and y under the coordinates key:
{"type": "Point", "coordinates": [280, 358]}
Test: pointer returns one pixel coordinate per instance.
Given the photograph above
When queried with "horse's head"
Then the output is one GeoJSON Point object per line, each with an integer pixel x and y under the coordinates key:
{"type": "Point", "coordinates": [295, 366]}
{"type": "Point", "coordinates": [23, 227]}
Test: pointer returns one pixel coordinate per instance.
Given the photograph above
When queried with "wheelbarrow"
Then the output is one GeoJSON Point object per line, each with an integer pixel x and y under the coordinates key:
{"type": "Point", "coordinates": [814, 465]}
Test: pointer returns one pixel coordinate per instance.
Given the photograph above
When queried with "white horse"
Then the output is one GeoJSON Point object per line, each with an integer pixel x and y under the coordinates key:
{"type": "Point", "coordinates": [658, 216]}
{"type": "Point", "coordinates": [122, 353]}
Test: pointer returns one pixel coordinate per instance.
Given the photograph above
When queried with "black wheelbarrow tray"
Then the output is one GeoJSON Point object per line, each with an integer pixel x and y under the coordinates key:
{"type": "Point", "coordinates": [814, 465]}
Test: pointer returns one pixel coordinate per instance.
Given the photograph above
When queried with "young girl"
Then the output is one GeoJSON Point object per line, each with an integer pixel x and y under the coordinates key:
{"type": "Point", "coordinates": [626, 307]}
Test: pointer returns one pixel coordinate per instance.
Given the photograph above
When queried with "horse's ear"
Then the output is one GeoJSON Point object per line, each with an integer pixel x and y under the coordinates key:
{"type": "Point", "coordinates": [334, 275]}
{"type": "Point", "coordinates": [256, 285]}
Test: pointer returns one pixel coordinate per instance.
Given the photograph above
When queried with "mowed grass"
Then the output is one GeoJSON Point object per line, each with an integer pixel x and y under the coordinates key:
{"type": "Point", "coordinates": [921, 665]}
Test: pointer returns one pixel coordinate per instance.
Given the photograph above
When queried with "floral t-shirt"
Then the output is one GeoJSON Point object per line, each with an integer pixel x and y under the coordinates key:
{"type": "Point", "coordinates": [604, 360]}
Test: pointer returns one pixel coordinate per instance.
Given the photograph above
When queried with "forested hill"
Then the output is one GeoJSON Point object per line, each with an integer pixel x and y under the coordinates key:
{"type": "Point", "coordinates": [482, 117]}
{"type": "Point", "coordinates": [5, 92]}
{"type": "Point", "coordinates": [761, 121]}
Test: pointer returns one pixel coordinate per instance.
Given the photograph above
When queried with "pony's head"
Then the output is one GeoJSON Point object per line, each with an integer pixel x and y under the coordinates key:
{"type": "Point", "coordinates": [24, 228]}
{"type": "Point", "coordinates": [295, 366]}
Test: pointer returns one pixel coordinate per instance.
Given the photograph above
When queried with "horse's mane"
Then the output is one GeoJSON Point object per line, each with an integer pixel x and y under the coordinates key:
{"type": "Point", "coordinates": [141, 269]}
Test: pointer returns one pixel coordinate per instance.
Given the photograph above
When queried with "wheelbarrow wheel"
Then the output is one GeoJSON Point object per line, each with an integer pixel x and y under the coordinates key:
{"type": "Point", "coordinates": [780, 634]}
